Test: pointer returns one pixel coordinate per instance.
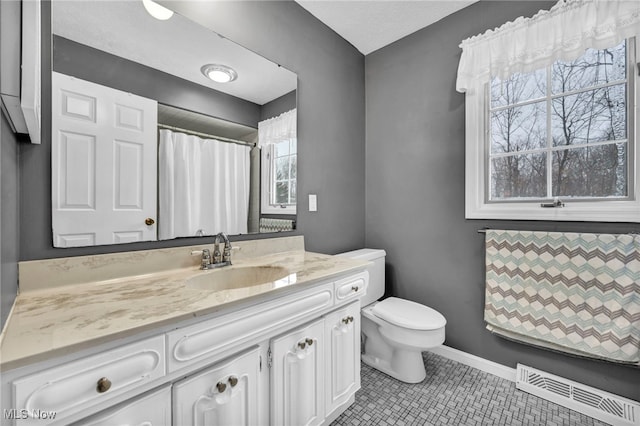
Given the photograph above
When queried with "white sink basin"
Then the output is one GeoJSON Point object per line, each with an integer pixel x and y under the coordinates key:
{"type": "Point", "coordinates": [229, 278]}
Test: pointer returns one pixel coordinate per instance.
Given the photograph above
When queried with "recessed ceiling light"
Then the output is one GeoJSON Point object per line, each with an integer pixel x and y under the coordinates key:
{"type": "Point", "coordinates": [219, 73]}
{"type": "Point", "coordinates": [157, 11]}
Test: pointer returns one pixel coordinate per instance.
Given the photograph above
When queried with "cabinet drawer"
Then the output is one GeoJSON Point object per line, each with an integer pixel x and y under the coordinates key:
{"type": "Point", "coordinates": [153, 409]}
{"type": "Point", "coordinates": [352, 287]}
{"type": "Point", "coordinates": [190, 345]}
{"type": "Point", "coordinates": [77, 385]}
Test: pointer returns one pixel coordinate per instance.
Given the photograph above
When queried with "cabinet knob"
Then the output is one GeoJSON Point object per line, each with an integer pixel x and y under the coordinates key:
{"type": "Point", "coordinates": [355, 288]}
{"type": "Point", "coordinates": [221, 387]}
{"type": "Point", "coordinates": [309, 341]}
{"type": "Point", "coordinates": [104, 385]}
{"type": "Point", "coordinates": [233, 380]}
{"type": "Point", "coordinates": [345, 320]}
{"type": "Point", "coordinates": [149, 221]}
{"type": "Point", "coordinates": [302, 345]}
{"type": "Point", "coordinates": [350, 318]}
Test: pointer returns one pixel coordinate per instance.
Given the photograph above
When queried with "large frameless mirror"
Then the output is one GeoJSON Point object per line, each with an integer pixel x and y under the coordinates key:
{"type": "Point", "coordinates": [148, 140]}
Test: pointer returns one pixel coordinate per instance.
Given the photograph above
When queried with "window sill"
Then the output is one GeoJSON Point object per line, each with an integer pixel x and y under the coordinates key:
{"type": "Point", "coordinates": [613, 211]}
{"type": "Point", "coordinates": [266, 209]}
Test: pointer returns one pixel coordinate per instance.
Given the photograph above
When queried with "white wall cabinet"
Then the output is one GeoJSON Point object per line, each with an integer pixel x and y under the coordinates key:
{"type": "Point", "coordinates": [297, 376]}
{"type": "Point", "coordinates": [290, 360]}
{"type": "Point", "coordinates": [226, 394]}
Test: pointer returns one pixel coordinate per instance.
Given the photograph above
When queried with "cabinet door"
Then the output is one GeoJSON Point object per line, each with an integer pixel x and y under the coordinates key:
{"type": "Point", "coordinates": [153, 409]}
{"type": "Point", "coordinates": [297, 376]}
{"type": "Point", "coordinates": [225, 394]}
{"type": "Point", "coordinates": [343, 355]}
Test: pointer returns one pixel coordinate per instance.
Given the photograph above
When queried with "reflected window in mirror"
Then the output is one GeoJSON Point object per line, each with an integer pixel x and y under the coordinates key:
{"type": "Point", "coordinates": [277, 138]}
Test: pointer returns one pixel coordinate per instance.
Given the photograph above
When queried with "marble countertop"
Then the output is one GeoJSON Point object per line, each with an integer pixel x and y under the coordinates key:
{"type": "Point", "coordinates": [46, 323]}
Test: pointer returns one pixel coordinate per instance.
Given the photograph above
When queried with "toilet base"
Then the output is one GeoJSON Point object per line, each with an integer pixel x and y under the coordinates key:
{"type": "Point", "coordinates": [406, 366]}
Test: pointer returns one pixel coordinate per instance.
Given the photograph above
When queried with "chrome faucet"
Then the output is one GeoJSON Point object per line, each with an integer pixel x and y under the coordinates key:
{"type": "Point", "coordinates": [218, 259]}
{"type": "Point", "coordinates": [223, 259]}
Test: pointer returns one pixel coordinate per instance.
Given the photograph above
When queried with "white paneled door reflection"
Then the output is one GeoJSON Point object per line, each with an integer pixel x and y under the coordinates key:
{"type": "Point", "coordinates": [104, 150]}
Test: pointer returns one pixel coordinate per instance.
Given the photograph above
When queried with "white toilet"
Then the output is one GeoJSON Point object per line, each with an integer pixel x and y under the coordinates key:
{"type": "Point", "coordinates": [395, 331]}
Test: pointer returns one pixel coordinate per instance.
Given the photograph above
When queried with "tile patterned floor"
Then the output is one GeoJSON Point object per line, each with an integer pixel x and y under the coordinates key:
{"type": "Point", "coordinates": [452, 394]}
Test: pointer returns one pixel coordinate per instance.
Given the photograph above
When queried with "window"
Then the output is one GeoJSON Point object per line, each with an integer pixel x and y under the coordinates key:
{"type": "Point", "coordinates": [562, 132]}
{"type": "Point", "coordinates": [281, 166]}
{"type": "Point", "coordinates": [278, 141]}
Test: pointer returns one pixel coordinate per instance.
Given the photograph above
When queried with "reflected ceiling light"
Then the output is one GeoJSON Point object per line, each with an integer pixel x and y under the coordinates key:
{"type": "Point", "coordinates": [157, 11]}
{"type": "Point", "coordinates": [219, 73]}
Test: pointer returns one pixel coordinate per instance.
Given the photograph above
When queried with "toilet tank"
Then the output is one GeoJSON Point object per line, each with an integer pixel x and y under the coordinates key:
{"type": "Point", "coordinates": [375, 290]}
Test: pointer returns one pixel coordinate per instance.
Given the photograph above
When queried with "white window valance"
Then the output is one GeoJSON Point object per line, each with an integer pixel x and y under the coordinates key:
{"type": "Point", "coordinates": [278, 128]}
{"type": "Point", "coordinates": [563, 32]}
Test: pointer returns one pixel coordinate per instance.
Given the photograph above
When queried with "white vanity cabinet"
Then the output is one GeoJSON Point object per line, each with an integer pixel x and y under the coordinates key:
{"type": "Point", "coordinates": [226, 394]}
{"type": "Point", "coordinates": [315, 369]}
{"type": "Point", "coordinates": [297, 376]}
{"type": "Point", "coordinates": [153, 409]}
{"type": "Point", "coordinates": [342, 332]}
{"type": "Point", "coordinates": [291, 359]}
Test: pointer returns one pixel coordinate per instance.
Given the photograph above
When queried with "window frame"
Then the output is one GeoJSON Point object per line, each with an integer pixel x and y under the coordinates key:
{"type": "Point", "coordinates": [267, 161]}
{"type": "Point", "coordinates": [477, 203]}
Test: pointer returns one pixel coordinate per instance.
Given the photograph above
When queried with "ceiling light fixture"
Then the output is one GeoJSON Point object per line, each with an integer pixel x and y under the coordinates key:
{"type": "Point", "coordinates": [219, 73]}
{"type": "Point", "coordinates": [157, 11]}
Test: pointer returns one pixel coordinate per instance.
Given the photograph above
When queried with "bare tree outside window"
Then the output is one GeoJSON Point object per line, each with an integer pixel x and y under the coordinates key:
{"type": "Point", "coordinates": [561, 131]}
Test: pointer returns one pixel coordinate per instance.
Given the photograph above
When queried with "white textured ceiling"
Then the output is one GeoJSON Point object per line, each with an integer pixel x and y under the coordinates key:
{"type": "Point", "coordinates": [372, 24]}
{"type": "Point", "coordinates": [176, 46]}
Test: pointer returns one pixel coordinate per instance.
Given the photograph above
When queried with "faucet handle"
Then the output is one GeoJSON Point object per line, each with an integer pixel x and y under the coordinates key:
{"type": "Point", "coordinates": [226, 252]}
{"type": "Point", "coordinates": [205, 260]}
{"type": "Point", "coordinates": [217, 256]}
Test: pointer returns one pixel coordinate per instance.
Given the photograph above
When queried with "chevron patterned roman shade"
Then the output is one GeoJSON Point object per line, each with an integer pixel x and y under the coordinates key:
{"type": "Point", "coordinates": [276, 225]}
{"type": "Point", "coordinates": [577, 293]}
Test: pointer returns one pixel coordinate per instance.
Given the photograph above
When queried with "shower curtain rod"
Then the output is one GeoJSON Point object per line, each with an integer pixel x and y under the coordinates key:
{"type": "Point", "coordinates": [205, 135]}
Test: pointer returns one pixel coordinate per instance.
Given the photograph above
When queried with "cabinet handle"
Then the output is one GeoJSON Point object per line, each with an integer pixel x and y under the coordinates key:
{"type": "Point", "coordinates": [347, 320]}
{"type": "Point", "coordinates": [309, 341]}
{"type": "Point", "coordinates": [302, 345]}
{"type": "Point", "coordinates": [355, 288]}
{"type": "Point", "coordinates": [233, 380]}
{"type": "Point", "coordinates": [221, 387]}
{"type": "Point", "coordinates": [104, 385]}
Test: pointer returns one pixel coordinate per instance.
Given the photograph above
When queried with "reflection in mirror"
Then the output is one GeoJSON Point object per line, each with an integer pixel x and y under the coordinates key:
{"type": "Point", "coordinates": [146, 145]}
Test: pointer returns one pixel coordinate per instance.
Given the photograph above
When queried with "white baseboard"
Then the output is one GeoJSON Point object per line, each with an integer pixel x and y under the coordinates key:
{"type": "Point", "coordinates": [476, 362]}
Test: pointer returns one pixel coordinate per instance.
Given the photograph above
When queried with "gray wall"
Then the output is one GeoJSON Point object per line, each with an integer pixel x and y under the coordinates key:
{"type": "Point", "coordinates": [415, 192]}
{"type": "Point", "coordinates": [330, 134]}
{"type": "Point", "coordinates": [9, 218]}
{"type": "Point", "coordinates": [279, 105]}
{"type": "Point", "coordinates": [78, 60]}
{"type": "Point", "coordinates": [9, 152]}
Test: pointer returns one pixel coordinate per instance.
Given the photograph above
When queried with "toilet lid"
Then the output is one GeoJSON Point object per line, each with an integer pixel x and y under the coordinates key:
{"type": "Point", "coordinates": [407, 314]}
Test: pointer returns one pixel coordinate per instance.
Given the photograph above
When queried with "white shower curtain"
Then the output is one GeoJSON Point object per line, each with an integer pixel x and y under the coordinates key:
{"type": "Point", "coordinates": [203, 186]}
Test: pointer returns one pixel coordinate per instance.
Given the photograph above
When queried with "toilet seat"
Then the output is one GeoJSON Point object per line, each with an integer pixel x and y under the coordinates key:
{"type": "Point", "coordinates": [407, 314]}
